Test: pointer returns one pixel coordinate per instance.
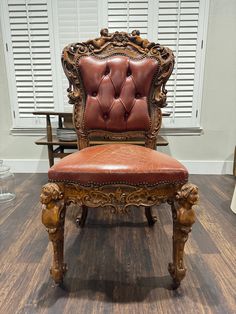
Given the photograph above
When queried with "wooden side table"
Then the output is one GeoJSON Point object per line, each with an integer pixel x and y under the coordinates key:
{"type": "Point", "coordinates": [56, 147]}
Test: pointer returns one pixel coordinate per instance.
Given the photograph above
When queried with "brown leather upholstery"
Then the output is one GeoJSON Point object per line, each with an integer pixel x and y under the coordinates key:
{"type": "Point", "coordinates": [118, 163]}
{"type": "Point", "coordinates": [117, 88]}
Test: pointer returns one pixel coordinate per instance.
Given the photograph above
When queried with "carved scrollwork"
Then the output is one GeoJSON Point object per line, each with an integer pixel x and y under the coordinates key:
{"type": "Point", "coordinates": [118, 199]}
{"type": "Point", "coordinates": [159, 90]}
{"type": "Point", "coordinates": [151, 136]}
{"type": "Point", "coordinates": [120, 39]}
{"type": "Point", "coordinates": [81, 48]}
{"type": "Point", "coordinates": [108, 135]}
{"type": "Point", "coordinates": [78, 119]}
{"type": "Point", "coordinates": [73, 95]}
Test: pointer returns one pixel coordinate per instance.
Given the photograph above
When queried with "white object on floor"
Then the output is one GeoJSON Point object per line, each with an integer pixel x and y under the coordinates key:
{"type": "Point", "coordinates": [233, 203]}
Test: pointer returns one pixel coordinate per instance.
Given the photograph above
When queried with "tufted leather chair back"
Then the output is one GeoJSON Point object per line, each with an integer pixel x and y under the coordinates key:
{"type": "Point", "coordinates": [117, 89]}
{"type": "Point", "coordinates": [117, 86]}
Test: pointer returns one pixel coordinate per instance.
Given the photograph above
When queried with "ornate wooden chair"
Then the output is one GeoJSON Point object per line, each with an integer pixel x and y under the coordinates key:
{"type": "Point", "coordinates": [117, 86]}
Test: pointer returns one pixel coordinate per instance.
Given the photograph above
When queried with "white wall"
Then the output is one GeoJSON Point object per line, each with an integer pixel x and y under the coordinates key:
{"type": "Point", "coordinates": [218, 117]}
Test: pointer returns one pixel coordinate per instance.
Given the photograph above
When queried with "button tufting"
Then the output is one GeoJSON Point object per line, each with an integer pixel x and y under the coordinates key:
{"type": "Point", "coordinates": [126, 115]}
{"type": "Point", "coordinates": [105, 116]}
{"type": "Point", "coordinates": [111, 94]}
{"type": "Point", "coordinates": [107, 72]}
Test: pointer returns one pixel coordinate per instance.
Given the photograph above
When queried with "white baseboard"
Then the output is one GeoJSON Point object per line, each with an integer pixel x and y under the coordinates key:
{"type": "Point", "coordinates": [208, 166]}
{"type": "Point", "coordinates": [27, 165]}
{"type": "Point", "coordinates": [193, 166]}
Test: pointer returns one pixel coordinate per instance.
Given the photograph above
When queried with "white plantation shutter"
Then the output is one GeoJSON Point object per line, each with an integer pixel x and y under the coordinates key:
{"type": "Point", "coordinates": [68, 29]}
{"type": "Point", "coordinates": [177, 28]}
{"type": "Point", "coordinates": [180, 25]}
{"type": "Point", "coordinates": [77, 21]}
{"type": "Point", "coordinates": [127, 15]}
{"type": "Point", "coordinates": [30, 61]}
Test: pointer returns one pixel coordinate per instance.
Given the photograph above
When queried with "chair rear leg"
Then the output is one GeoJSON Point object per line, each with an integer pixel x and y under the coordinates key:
{"type": "Point", "coordinates": [150, 217]}
{"type": "Point", "coordinates": [80, 221]}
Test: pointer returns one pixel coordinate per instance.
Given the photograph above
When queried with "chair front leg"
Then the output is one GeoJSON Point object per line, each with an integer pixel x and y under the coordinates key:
{"type": "Point", "coordinates": [53, 217]}
{"type": "Point", "coordinates": [183, 219]}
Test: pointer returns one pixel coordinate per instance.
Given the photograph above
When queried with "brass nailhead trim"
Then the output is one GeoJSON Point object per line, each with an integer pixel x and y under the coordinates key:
{"type": "Point", "coordinates": [90, 183]}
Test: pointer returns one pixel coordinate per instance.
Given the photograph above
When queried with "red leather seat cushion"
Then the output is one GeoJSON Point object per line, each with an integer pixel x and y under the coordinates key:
{"type": "Point", "coordinates": [118, 163]}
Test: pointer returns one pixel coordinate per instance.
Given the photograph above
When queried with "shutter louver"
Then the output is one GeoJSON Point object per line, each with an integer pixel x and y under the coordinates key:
{"type": "Point", "coordinates": [178, 29]}
{"type": "Point", "coordinates": [68, 27]}
{"type": "Point", "coordinates": [77, 21]}
{"type": "Point", "coordinates": [32, 64]}
{"type": "Point", "coordinates": [128, 15]}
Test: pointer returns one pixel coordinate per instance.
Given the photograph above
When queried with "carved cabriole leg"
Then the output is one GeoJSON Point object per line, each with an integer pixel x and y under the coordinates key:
{"type": "Point", "coordinates": [150, 218]}
{"type": "Point", "coordinates": [58, 268]}
{"type": "Point", "coordinates": [53, 217]}
{"type": "Point", "coordinates": [183, 219]}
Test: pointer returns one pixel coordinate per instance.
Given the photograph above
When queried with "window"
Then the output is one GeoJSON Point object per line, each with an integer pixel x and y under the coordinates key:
{"type": "Point", "coordinates": [29, 59]}
{"type": "Point", "coordinates": [35, 31]}
{"type": "Point", "coordinates": [180, 25]}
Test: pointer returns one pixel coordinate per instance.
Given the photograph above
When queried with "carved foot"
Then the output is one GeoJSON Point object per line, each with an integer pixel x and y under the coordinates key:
{"type": "Point", "coordinates": [53, 217]}
{"type": "Point", "coordinates": [183, 219]}
{"type": "Point", "coordinates": [150, 218]}
{"type": "Point", "coordinates": [177, 274]}
{"type": "Point", "coordinates": [80, 221]}
{"type": "Point", "coordinates": [58, 273]}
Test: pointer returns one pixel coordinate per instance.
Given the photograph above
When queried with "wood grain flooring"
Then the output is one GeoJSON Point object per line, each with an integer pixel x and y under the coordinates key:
{"type": "Point", "coordinates": [118, 264]}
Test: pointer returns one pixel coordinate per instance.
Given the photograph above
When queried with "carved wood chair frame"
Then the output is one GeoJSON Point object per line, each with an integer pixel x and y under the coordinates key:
{"type": "Point", "coordinates": [56, 196]}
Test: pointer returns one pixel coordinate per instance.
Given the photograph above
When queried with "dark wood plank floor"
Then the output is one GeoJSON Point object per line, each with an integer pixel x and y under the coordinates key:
{"type": "Point", "coordinates": [118, 264]}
